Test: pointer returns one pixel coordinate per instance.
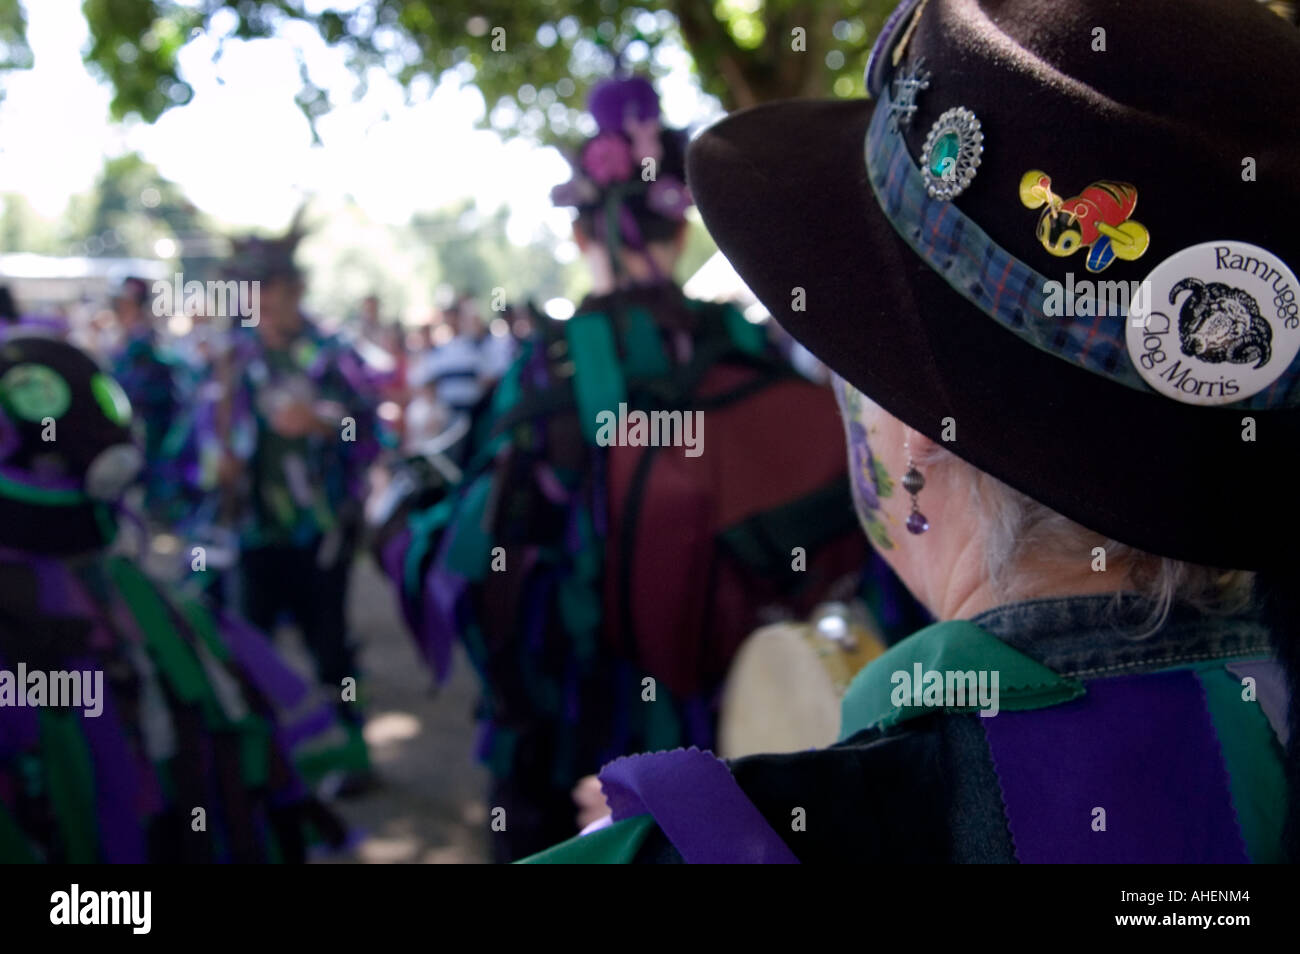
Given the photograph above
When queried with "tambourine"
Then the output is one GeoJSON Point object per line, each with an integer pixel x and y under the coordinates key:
{"type": "Point", "coordinates": [785, 684]}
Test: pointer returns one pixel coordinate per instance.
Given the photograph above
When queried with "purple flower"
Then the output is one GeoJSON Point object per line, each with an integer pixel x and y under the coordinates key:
{"type": "Point", "coordinates": [607, 159]}
{"type": "Point", "coordinates": [864, 466]}
{"type": "Point", "coordinates": [616, 100]}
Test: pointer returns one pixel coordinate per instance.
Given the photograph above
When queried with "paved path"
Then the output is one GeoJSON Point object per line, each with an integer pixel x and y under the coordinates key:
{"type": "Point", "coordinates": [430, 806]}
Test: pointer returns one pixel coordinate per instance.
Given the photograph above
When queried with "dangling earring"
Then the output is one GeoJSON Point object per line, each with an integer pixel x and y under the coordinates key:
{"type": "Point", "coordinates": [913, 483]}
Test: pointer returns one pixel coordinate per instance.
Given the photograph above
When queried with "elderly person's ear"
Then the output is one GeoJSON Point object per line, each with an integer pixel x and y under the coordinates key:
{"type": "Point", "coordinates": [921, 447]}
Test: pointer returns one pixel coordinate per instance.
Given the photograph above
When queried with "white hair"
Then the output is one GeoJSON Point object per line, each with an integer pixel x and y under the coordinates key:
{"type": "Point", "coordinates": [1023, 540]}
{"type": "Point", "coordinates": [1022, 536]}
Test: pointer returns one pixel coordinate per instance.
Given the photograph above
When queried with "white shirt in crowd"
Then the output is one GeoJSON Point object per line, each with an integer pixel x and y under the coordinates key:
{"type": "Point", "coordinates": [460, 370]}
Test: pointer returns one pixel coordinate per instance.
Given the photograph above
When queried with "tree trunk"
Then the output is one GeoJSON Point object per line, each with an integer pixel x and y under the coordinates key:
{"type": "Point", "coordinates": [772, 71]}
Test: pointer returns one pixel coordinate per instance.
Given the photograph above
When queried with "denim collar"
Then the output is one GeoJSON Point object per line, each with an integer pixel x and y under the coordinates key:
{"type": "Point", "coordinates": [1103, 634]}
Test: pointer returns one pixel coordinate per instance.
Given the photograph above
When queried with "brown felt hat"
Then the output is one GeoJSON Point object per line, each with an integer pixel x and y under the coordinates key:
{"type": "Point", "coordinates": [926, 255]}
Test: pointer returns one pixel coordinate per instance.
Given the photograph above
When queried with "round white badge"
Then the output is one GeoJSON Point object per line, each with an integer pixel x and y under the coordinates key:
{"type": "Point", "coordinates": [1215, 323]}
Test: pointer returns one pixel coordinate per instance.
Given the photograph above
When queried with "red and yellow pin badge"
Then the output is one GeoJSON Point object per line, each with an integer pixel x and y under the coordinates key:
{"type": "Point", "coordinates": [1096, 219]}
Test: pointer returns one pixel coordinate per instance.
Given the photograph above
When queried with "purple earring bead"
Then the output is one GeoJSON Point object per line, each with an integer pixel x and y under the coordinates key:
{"type": "Point", "coordinates": [913, 483]}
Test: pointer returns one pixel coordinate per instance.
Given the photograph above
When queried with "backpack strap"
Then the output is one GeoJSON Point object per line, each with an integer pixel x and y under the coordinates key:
{"type": "Point", "coordinates": [763, 540]}
{"type": "Point", "coordinates": [697, 804]}
{"type": "Point", "coordinates": [643, 347]}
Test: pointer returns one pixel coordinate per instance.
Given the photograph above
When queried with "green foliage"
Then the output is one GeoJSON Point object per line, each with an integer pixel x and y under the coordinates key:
{"type": "Point", "coordinates": [475, 256]}
{"type": "Point", "coordinates": [124, 214]}
{"type": "Point", "coordinates": [744, 50]}
{"type": "Point", "coordinates": [14, 51]}
{"type": "Point", "coordinates": [134, 45]}
{"type": "Point", "coordinates": [132, 200]}
{"type": "Point", "coordinates": [533, 62]}
{"type": "Point", "coordinates": [415, 266]}
{"type": "Point", "coordinates": [23, 229]}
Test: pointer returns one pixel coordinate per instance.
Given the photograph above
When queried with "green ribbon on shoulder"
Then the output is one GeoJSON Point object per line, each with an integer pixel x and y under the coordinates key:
{"type": "Point", "coordinates": [615, 845]}
{"type": "Point", "coordinates": [875, 698]}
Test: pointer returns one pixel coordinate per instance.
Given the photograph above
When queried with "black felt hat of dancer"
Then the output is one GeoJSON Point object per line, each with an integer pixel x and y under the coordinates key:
{"type": "Point", "coordinates": [66, 451]}
{"type": "Point", "coordinates": [1015, 155]}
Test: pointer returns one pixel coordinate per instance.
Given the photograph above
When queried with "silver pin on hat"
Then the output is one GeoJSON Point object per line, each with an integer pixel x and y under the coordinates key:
{"type": "Point", "coordinates": [907, 84]}
{"type": "Point", "coordinates": [951, 154]}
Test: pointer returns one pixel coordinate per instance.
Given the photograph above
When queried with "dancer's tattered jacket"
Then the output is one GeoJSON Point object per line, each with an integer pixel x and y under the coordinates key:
{"type": "Point", "coordinates": [1103, 748]}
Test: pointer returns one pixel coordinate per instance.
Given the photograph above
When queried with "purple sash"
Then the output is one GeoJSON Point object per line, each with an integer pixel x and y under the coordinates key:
{"type": "Point", "coordinates": [697, 804]}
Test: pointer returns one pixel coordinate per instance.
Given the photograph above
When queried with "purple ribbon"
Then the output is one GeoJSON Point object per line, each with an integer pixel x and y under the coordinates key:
{"type": "Point", "coordinates": [258, 660]}
{"type": "Point", "coordinates": [59, 592]}
{"type": "Point", "coordinates": [122, 787]}
{"type": "Point", "coordinates": [43, 481]}
{"type": "Point", "coordinates": [549, 484]}
{"type": "Point", "coordinates": [442, 590]}
{"type": "Point", "coordinates": [392, 558]}
{"type": "Point", "coordinates": [316, 722]}
{"type": "Point", "coordinates": [20, 729]}
{"type": "Point", "coordinates": [274, 679]}
{"type": "Point", "coordinates": [697, 804]}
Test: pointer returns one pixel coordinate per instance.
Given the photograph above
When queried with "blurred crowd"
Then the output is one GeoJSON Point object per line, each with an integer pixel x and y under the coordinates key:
{"type": "Point", "coordinates": [274, 448]}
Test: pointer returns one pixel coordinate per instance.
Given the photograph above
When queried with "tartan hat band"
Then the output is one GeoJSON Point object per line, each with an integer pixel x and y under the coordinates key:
{"type": "Point", "coordinates": [1002, 286]}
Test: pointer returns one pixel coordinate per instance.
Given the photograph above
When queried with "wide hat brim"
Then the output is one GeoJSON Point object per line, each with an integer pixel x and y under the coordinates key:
{"type": "Point", "coordinates": [784, 190]}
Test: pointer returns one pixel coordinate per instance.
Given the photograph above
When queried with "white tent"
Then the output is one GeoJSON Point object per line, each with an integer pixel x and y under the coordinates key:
{"type": "Point", "coordinates": [48, 283]}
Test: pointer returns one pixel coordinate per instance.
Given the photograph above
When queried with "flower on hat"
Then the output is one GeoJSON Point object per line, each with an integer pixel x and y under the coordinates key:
{"type": "Point", "coordinates": [607, 159]}
{"type": "Point", "coordinates": [644, 135]}
{"type": "Point", "coordinates": [605, 168]}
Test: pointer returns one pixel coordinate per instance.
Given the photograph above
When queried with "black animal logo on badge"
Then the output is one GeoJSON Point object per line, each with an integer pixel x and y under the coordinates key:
{"type": "Point", "coordinates": [1220, 323]}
